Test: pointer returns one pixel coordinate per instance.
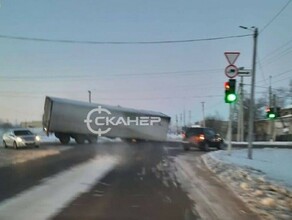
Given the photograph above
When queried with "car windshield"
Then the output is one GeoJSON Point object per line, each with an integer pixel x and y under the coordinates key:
{"type": "Point", "coordinates": [195, 131]}
{"type": "Point", "coordinates": [210, 132]}
{"type": "Point", "coordinates": [22, 132]}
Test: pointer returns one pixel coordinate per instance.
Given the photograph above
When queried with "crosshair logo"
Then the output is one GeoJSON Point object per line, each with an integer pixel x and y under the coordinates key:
{"type": "Point", "coordinates": [109, 120]}
{"type": "Point", "coordinates": [88, 121]}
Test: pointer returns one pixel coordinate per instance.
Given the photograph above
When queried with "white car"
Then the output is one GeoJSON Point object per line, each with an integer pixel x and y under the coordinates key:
{"type": "Point", "coordinates": [20, 138]}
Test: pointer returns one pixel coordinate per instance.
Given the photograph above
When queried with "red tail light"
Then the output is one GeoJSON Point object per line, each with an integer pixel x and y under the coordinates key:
{"type": "Point", "coordinates": [202, 137]}
{"type": "Point", "coordinates": [183, 135]}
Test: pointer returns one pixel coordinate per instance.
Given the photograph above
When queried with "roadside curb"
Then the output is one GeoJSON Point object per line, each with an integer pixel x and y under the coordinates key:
{"type": "Point", "coordinates": [269, 199]}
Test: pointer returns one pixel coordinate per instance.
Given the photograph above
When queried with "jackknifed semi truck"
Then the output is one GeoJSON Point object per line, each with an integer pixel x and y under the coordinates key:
{"type": "Point", "coordinates": [85, 122]}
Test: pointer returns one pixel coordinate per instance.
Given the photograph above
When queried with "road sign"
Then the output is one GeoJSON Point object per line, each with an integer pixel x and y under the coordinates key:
{"type": "Point", "coordinates": [231, 71]}
{"type": "Point", "coordinates": [231, 57]}
{"type": "Point", "coordinates": [244, 72]}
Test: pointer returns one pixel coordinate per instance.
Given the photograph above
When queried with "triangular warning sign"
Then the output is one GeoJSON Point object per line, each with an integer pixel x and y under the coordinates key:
{"type": "Point", "coordinates": [231, 57]}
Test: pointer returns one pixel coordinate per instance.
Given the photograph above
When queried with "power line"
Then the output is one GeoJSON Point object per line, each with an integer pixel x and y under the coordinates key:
{"type": "Point", "coordinates": [126, 99]}
{"type": "Point", "coordinates": [47, 40]}
{"type": "Point", "coordinates": [78, 77]}
{"type": "Point", "coordinates": [277, 75]}
{"type": "Point", "coordinates": [268, 56]}
{"type": "Point", "coordinates": [261, 69]}
{"type": "Point", "coordinates": [277, 15]}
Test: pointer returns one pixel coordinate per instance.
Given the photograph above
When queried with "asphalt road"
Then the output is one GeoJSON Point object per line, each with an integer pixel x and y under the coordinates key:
{"type": "Point", "coordinates": [141, 185]}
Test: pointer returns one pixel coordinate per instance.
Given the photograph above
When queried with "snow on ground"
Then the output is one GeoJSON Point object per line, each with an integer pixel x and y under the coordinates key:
{"type": "Point", "coordinates": [105, 139]}
{"type": "Point", "coordinates": [47, 199]}
{"type": "Point", "coordinates": [266, 143]}
{"type": "Point", "coordinates": [174, 137]}
{"type": "Point", "coordinates": [275, 163]}
{"type": "Point", "coordinates": [10, 156]}
{"type": "Point", "coordinates": [264, 183]}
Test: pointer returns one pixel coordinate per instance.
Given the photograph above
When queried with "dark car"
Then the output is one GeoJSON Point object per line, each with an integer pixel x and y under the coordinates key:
{"type": "Point", "coordinates": [203, 138]}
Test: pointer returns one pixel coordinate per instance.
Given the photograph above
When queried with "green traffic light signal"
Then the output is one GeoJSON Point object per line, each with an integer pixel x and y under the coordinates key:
{"type": "Point", "coordinates": [231, 98]}
{"type": "Point", "coordinates": [230, 94]}
{"type": "Point", "coordinates": [273, 112]}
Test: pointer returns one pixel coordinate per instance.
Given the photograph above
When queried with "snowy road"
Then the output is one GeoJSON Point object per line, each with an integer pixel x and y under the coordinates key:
{"type": "Point", "coordinates": [115, 180]}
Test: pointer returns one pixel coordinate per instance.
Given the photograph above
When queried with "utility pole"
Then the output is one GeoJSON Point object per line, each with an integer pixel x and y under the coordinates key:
{"type": "Point", "coordinates": [240, 119]}
{"type": "Point", "coordinates": [274, 121]}
{"type": "Point", "coordinates": [190, 117]}
{"type": "Point", "coordinates": [184, 115]}
{"type": "Point", "coordinates": [251, 107]}
{"type": "Point", "coordinates": [270, 106]}
{"type": "Point", "coordinates": [89, 96]}
{"type": "Point", "coordinates": [203, 111]}
{"type": "Point", "coordinates": [176, 122]}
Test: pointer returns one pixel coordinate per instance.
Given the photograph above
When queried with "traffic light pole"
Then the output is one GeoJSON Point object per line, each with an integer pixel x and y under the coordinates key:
{"type": "Point", "coordinates": [229, 135]}
{"type": "Point", "coordinates": [251, 107]}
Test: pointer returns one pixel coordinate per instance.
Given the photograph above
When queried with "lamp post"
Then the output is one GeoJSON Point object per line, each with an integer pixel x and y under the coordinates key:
{"type": "Point", "coordinates": [251, 105]}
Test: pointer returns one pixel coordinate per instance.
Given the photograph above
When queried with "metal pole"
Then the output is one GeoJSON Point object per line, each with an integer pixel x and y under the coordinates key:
{"type": "Point", "coordinates": [274, 120]}
{"type": "Point", "coordinates": [89, 96]}
{"type": "Point", "coordinates": [242, 112]}
{"type": "Point", "coordinates": [176, 122]}
{"type": "Point", "coordinates": [203, 111]}
{"type": "Point", "coordinates": [229, 135]}
{"type": "Point", "coordinates": [184, 115]}
{"type": "Point", "coordinates": [251, 106]}
{"type": "Point", "coordinates": [270, 106]}
{"type": "Point", "coordinates": [190, 117]}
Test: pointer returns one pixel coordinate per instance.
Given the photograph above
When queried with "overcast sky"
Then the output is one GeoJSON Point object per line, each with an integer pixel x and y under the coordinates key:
{"type": "Point", "coordinates": [162, 77]}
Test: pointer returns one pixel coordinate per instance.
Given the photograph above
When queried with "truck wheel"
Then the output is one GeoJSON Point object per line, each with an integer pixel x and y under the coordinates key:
{"type": "Point", "coordinates": [92, 139]}
{"type": "Point", "coordinates": [4, 144]}
{"type": "Point", "coordinates": [79, 139]}
{"type": "Point", "coordinates": [127, 140]}
{"type": "Point", "coordinates": [64, 139]}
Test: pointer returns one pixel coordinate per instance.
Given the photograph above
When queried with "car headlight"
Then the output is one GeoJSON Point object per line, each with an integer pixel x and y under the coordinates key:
{"type": "Point", "coordinates": [37, 138]}
{"type": "Point", "coordinates": [18, 139]}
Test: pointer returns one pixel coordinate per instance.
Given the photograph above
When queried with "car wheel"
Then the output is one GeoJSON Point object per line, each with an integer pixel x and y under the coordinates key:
{"type": "Point", "coordinates": [220, 146]}
{"type": "Point", "coordinates": [37, 146]}
{"type": "Point", "coordinates": [4, 144]}
{"type": "Point", "coordinates": [15, 145]}
{"type": "Point", "coordinates": [186, 147]}
{"type": "Point", "coordinates": [206, 147]}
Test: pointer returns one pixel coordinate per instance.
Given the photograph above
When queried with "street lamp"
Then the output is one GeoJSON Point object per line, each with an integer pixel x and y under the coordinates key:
{"type": "Point", "coordinates": [251, 107]}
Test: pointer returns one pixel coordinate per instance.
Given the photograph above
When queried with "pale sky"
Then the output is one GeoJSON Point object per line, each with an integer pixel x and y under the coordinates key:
{"type": "Point", "coordinates": [162, 77]}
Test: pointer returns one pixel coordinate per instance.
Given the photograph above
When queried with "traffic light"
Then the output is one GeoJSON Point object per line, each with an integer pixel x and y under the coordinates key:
{"type": "Point", "coordinates": [230, 94]}
{"type": "Point", "coordinates": [273, 113]}
{"type": "Point", "coordinates": [270, 113]}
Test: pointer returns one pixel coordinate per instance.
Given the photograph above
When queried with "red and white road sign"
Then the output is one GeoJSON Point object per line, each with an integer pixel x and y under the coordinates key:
{"type": "Point", "coordinates": [231, 71]}
{"type": "Point", "coordinates": [231, 57]}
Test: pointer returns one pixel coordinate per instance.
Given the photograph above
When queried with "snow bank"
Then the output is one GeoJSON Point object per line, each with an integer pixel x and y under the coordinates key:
{"type": "Point", "coordinates": [266, 143]}
{"type": "Point", "coordinates": [275, 163]}
{"type": "Point", "coordinates": [264, 183]}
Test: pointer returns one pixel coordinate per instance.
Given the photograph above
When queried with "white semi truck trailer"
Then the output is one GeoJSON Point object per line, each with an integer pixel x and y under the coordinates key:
{"type": "Point", "coordinates": [84, 121]}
